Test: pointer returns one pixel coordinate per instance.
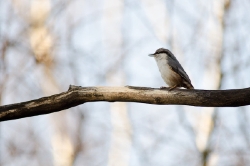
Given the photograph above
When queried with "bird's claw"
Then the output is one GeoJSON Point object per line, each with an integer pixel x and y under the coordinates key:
{"type": "Point", "coordinates": [168, 88]}
{"type": "Point", "coordinates": [163, 87]}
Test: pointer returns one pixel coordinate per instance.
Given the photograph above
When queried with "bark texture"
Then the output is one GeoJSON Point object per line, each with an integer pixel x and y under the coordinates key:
{"type": "Point", "coordinates": [78, 95]}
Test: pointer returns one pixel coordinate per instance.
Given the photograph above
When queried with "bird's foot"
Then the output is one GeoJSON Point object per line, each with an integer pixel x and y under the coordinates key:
{"type": "Point", "coordinates": [168, 88]}
{"type": "Point", "coordinates": [171, 88]}
{"type": "Point", "coordinates": [163, 87]}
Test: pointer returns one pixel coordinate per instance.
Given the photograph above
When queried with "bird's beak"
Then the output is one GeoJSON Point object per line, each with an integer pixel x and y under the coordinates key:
{"type": "Point", "coordinates": [152, 55]}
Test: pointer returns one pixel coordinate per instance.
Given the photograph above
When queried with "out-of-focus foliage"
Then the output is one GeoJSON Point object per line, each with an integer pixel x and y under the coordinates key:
{"type": "Point", "coordinates": [46, 45]}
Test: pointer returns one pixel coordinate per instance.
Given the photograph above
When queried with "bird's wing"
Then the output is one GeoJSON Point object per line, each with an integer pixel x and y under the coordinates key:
{"type": "Point", "coordinates": [176, 67]}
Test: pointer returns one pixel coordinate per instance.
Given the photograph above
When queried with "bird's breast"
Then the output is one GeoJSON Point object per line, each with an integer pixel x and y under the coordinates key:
{"type": "Point", "coordinates": [164, 68]}
{"type": "Point", "coordinates": [168, 75]}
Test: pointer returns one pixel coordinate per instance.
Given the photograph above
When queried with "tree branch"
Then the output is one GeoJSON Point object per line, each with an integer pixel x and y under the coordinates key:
{"type": "Point", "coordinates": [78, 95]}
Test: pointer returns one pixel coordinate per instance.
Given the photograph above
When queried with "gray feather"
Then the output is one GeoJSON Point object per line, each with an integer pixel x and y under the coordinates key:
{"type": "Point", "coordinates": [176, 66]}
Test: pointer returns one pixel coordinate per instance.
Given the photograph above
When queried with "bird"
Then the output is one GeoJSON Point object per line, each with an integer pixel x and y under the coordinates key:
{"type": "Point", "coordinates": [171, 70]}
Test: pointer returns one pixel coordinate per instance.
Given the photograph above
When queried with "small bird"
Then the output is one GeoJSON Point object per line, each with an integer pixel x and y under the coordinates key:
{"type": "Point", "coordinates": [171, 70]}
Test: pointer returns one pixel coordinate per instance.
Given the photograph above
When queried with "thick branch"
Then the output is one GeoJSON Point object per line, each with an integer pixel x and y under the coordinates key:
{"type": "Point", "coordinates": [79, 95]}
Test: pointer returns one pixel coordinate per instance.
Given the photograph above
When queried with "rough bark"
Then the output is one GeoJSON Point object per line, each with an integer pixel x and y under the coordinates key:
{"type": "Point", "coordinates": [78, 95]}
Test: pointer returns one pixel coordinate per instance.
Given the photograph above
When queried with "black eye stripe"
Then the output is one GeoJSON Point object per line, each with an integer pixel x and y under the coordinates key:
{"type": "Point", "coordinates": [165, 51]}
{"type": "Point", "coordinates": [168, 54]}
{"type": "Point", "coordinates": [159, 52]}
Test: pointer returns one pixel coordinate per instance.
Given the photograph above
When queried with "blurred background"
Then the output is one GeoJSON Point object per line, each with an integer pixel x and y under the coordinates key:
{"type": "Point", "coordinates": [46, 45]}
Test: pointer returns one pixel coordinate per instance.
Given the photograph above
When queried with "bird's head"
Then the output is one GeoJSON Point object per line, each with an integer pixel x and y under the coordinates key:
{"type": "Point", "coordinates": [162, 53]}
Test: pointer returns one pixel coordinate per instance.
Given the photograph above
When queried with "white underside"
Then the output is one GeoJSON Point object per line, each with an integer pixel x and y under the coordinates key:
{"type": "Point", "coordinates": [170, 77]}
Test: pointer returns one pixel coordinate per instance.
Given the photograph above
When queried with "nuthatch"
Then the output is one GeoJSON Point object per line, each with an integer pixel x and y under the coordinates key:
{"type": "Point", "coordinates": [171, 70]}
